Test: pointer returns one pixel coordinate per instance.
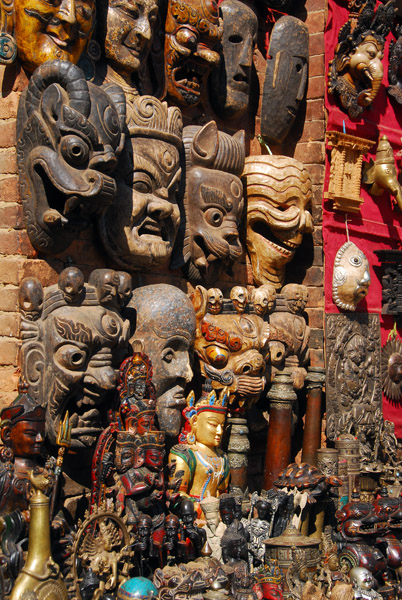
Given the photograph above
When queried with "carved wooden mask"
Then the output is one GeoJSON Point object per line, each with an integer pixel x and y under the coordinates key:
{"type": "Point", "coordinates": [67, 348]}
{"type": "Point", "coordinates": [140, 228]}
{"type": "Point", "coordinates": [213, 202]}
{"type": "Point", "coordinates": [126, 30]}
{"type": "Point", "coordinates": [52, 30]}
{"type": "Point", "coordinates": [356, 71]}
{"type": "Point", "coordinates": [232, 345]}
{"type": "Point", "coordinates": [69, 132]}
{"type": "Point", "coordinates": [230, 82]}
{"type": "Point", "coordinates": [165, 325]}
{"type": "Point", "coordinates": [193, 30]}
{"type": "Point", "coordinates": [285, 77]}
{"type": "Point", "coordinates": [278, 190]}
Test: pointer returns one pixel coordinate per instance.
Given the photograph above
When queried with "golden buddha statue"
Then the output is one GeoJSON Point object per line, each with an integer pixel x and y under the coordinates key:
{"type": "Point", "coordinates": [199, 462]}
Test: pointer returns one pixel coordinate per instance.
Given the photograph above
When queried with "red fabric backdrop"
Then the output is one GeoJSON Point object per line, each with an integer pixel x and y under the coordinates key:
{"type": "Point", "coordinates": [379, 224]}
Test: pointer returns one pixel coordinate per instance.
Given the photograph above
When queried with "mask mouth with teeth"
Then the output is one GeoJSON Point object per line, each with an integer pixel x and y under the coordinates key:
{"type": "Point", "coordinates": [68, 358]}
{"type": "Point", "coordinates": [193, 30]}
{"type": "Point", "coordinates": [208, 241]}
{"type": "Point", "coordinates": [140, 229]}
{"type": "Point", "coordinates": [278, 189]}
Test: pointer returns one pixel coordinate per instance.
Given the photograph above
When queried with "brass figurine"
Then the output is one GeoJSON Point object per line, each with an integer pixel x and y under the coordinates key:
{"type": "Point", "coordinates": [382, 174]}
{"type": "Point", "coordinates": [41, 574]}
{"type": "Point", "coordinates": [22, 431]}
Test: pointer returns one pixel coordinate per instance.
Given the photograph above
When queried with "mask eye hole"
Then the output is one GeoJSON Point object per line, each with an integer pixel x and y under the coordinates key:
{"type": "Point", "coordinates": [355, 261]}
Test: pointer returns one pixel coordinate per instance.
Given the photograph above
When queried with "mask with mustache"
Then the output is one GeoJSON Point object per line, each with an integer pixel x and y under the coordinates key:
{"type": "Point", "coordinates": [213, 203]}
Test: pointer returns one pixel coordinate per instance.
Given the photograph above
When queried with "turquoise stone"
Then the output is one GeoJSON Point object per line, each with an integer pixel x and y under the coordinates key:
{"type": "Point", "coordinates": [137, 587]}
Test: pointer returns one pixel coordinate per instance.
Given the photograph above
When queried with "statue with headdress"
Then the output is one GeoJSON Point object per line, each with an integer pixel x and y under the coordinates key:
{"type": "Point", "coordinates": [22, 431]}
{"type": "Point", "coordinates": [201, 464]}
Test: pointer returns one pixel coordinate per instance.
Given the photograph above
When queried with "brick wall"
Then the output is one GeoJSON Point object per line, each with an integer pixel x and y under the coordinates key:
{"type": "Point", "coordinates": [18, 259]}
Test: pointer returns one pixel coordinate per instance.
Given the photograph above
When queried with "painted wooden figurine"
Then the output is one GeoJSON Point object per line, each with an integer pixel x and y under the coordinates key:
{"type": "Point", "coordinates": [205, 468]}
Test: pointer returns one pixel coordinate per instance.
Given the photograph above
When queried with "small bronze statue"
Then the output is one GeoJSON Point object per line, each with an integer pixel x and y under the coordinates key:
{"type": "Point", "coordinates": [193, 31]}
{"type": "Point", "coordinates": [209, 242]}
{"type": "Point", "coordinates": [195, 537]}
{"type": "Point", "coordinates": [70, 133]}
{"type": "Point", "coordinates": [230, 81]}
{"type": "Point", "coordinates": [363, 583]}
{"type": "Point", "coordinates": [381, 175]}
{"type": "Point", "coordinates": [173, 547]}
{"type": "Point", "coordinates": [203, 466]}
{"type": "Point", "coordinates": [356, 72]}
{"type": "Point", "coordinates": [278, 190]}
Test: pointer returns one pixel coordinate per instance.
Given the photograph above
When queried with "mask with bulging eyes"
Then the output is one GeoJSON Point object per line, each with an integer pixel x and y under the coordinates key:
{"type": "Point", "coordinates": [351, 278]}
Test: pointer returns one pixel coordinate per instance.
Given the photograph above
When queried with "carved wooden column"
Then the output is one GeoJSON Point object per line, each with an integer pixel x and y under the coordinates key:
{"type": "Point", "coordinates": [312, 426]}
{"type": "Point", "coordinates": [277, 456]}
{"type": "Point", "coordinates": [238, 449]}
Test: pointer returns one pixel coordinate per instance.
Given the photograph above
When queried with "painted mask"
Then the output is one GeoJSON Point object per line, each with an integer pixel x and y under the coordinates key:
{"type": "Point", "coordinates": [52, 30]}
{"type": "Point", "coordinates": [193, 29]}
{"type": "Point", "coordinates": [165, 324]}
{"type": "Point", "coordinates": [285, 77]}
{"type": "Point", "coordinates": [356, 71]}
{"type": "Point", "coordinates": [213, 201]}
{"type": "Point", "coordinates": [140, 229]}
{"type": "Point", "coordinates": [230, 82]}
{"type": "Point", "coordinates": [351, 278]}
{"type": "Point", "coordinates": [128, 28]}
{"type": "Point", "coordinates": [69, 133]}
{"type": "Point", "coordinates": [278, 190]}
{"type": "Point", "coordinates": [232, 346]}
{"type": "Point", "coordinates": [68, 356]}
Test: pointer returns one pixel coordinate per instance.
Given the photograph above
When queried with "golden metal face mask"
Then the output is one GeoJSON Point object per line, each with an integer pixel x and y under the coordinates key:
{"type": "Point", "coordinates": [351, 278]}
